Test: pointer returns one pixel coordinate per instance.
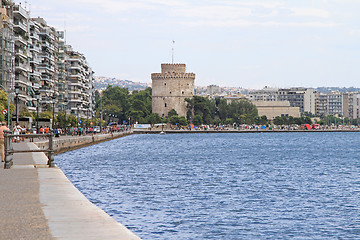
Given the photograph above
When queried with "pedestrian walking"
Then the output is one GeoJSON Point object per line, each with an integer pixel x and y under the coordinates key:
{"type": "Point", "coordinates": [17, 131]}
{"type": "Point", "coordinates": [2, 143]}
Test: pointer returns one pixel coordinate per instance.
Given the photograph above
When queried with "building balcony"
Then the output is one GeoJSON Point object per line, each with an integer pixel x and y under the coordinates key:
{"type": "Point", "coordinates": [74, 92]}
{"type": "Point", "coordinates": [34, 61]}
{"type": "Point", "coordinates": [21, 67]}
{"type": "Point", "coordinates": [36, 86]}
{"type": "Point", "coordinates": [47, 79]}
{"type": "Point", "coordinates": [45, 32]}
{"type": "Point", "coordinates": [46, 90]}
{"type": "Point", "coordinates": [48, 68]}
{"type": "Point", "coordinates": [35, 74]}
{"type": "Point", "coordinates": [21, 40]}
{"type": "Point", "coordinates": [18, 10]}
{"type": "Point", "coordinates": [34, 36]}
{"type": "Point", "coordinates": [77, 100]}
{"type": "Point", "coordinates": [79, 84]}
{"type": "Point", "coordinates": [20, 26]}
{"type": "Point", "coordinates": [21, 53]}
{"type": "Point", "coordinates": [35, 49]}
{"type": "Point", "coordinates": [47, 56]}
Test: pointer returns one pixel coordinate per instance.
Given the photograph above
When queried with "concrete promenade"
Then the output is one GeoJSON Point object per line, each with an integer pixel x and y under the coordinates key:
{"type": "Point", "coordinates": [37, 202]}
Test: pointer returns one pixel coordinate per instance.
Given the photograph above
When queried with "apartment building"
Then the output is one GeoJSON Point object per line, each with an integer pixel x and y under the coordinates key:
{"type": "Point", "coordinates": [7, 51]}
{"type": "Point", "coordinates": [265, 94]}
{"type": "Point", "coordinates": [321, 104]}
{"type": "Point", "coordinates": [351, 102]}
{"type": "Point", "coordinates": [63, 71]}
{"type": "Point", "coordinates": [303, 98]}
{"type": "Point", "coordinates": [80, 85]}
{"type": "Point", "coordinates": [335, 104]}
{"type": "Point", "coordinates": [36, 59]}
{"type": "Point", "coordinates": [35, 50]}
{"type": "Point", "coordinates": [22, 60]}
{"type": "Point", "coordinates": [48, 39]}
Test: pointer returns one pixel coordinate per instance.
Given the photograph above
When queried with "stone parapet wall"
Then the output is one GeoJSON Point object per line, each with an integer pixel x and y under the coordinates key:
{"type": "Point", "coordinates": [64, 144]}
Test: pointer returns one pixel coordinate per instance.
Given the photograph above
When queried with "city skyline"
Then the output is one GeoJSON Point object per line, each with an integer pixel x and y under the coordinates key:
{"type": "Point", "coordinates": [248, 44]}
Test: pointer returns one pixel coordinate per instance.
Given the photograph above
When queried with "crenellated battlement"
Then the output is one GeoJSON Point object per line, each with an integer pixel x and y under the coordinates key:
{"type": "Point", "coordinates": [173, 68]}
{"type": "Point", "coordinates": [161, 76]}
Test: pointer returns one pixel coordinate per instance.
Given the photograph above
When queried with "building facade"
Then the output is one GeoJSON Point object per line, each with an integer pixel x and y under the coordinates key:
{"type": "Point", "coordinates": [272, 109]}
{"type": "Point", "coordinates": [80, 84]}
{"type": "Point", "coordinates": [36, 60]}
{"type": "Point", "coordinates": [170, 88]}
{"type": "Point", "coordinates": [7, 50]}
{"type": "Point", "coordinates": [303, 98]}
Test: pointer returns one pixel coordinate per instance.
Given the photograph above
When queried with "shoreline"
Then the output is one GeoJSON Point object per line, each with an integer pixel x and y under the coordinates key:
{"type": "Point", "coordinates": [137, 131]}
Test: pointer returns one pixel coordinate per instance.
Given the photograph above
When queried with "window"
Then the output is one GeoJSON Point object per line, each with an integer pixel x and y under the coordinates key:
{"type": "Point", "coordinates": [165, 84]}
{"type": "Point", "coordinates": [182, 92]}
{"type": "Point", "coordinates": [165, 105]}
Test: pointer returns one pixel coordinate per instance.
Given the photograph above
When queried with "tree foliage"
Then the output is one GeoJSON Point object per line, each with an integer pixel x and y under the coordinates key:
{"type": "Point", "coordinates": [207, 111]}
{"type": "Point", "coordinates": [119, 105]}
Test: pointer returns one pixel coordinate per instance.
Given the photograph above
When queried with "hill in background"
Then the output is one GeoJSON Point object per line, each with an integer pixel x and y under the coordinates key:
{"type": "Point", "coordinates": [103, 82]}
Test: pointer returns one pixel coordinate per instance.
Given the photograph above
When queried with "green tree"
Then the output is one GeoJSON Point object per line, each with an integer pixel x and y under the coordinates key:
{"type": "Point", "coordinates": [46, 114]}
{"type": "Point", "coordinates": [172, 112]}
{"type": "Point", "coordinates": [25, 113]}
{"type": "Point", "coordinates": [4, 105]}
{"type": "Point", "coordinates": [198, 120]}
{"type": "Point", "coordinates": [153, 118]}
{"type": "Point", "coordinates": [182, 121]}
{"type": "Point", "coordinates": [174, 120]}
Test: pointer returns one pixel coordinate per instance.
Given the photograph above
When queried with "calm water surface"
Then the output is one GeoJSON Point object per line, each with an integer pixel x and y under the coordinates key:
{"type": "Point", "coordinates": [225, 186]}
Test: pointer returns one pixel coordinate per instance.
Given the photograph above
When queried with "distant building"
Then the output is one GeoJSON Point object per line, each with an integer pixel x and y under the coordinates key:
{"type": "Point", "coordinates": [213, 89]}
{"type": "Point", "coordinates": [272, 109]}
{"type": "Point", "coordinates": [170, 88]}
{"type": "Point", "coordinates": [265, 94]}
{"type": "Point", "coordinates": [303, 98]}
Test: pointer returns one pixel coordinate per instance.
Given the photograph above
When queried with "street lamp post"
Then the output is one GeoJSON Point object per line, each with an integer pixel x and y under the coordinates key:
{"type": "Point", "coordinates": [17, 100]}
{"type": "Point", "coordinates": [87, 119]}
{"type": "Point", "coordinates": [77, 124]}
{"type": "Point", "coordinates": [65, 105]}
{"type": "Point", "coordinates": [162, 124]}
{"type": "Point", "coordinates": [37, 111]}
{"type": "Point", "coordinates": [53, 97]}
{"type": "Point", "coordinates": [101, 113]}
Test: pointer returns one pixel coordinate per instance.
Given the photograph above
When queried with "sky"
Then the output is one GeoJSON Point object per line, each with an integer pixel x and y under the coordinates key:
{"type": "Point", "coordinates": [236, 43]}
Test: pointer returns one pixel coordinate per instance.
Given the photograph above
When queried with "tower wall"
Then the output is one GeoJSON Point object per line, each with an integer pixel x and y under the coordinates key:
{"type": "Point", "coordinates": [170, 88]}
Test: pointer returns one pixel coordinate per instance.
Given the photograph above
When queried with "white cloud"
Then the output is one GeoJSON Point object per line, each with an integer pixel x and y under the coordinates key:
{"type": "Point", "coordinates": [214, 12]}
{"type": "Point", "coordinates": [354, 32]}
{"type": "Point", "coordinates": [310, 12]}
{"type": "Point", "coordinates": [247, 23]}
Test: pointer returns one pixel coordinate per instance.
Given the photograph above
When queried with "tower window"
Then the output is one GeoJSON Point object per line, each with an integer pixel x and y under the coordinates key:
{"type": "Point", "coordinates": [165, 84]}
{"type": "Point", "coordinates": [182, 92]}
{"type": "Point", "coordinates": [165, 105]}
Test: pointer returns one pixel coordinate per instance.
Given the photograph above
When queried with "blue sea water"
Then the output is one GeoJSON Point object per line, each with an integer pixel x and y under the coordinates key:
{"type": "Point", "coordinates": [225, 186]}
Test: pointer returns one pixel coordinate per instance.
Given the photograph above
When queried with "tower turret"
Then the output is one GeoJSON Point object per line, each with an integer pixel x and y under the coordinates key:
{"type": "Point", "coordinates": [170, 88]}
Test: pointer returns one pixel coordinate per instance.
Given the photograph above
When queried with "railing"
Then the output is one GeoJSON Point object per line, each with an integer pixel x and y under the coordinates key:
{"type": "Point", "coordinates": [9, 150]}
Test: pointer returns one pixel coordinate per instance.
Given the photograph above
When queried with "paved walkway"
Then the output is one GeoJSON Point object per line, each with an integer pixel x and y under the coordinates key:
{"type": "Point", "coordinates": [41, 203]}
